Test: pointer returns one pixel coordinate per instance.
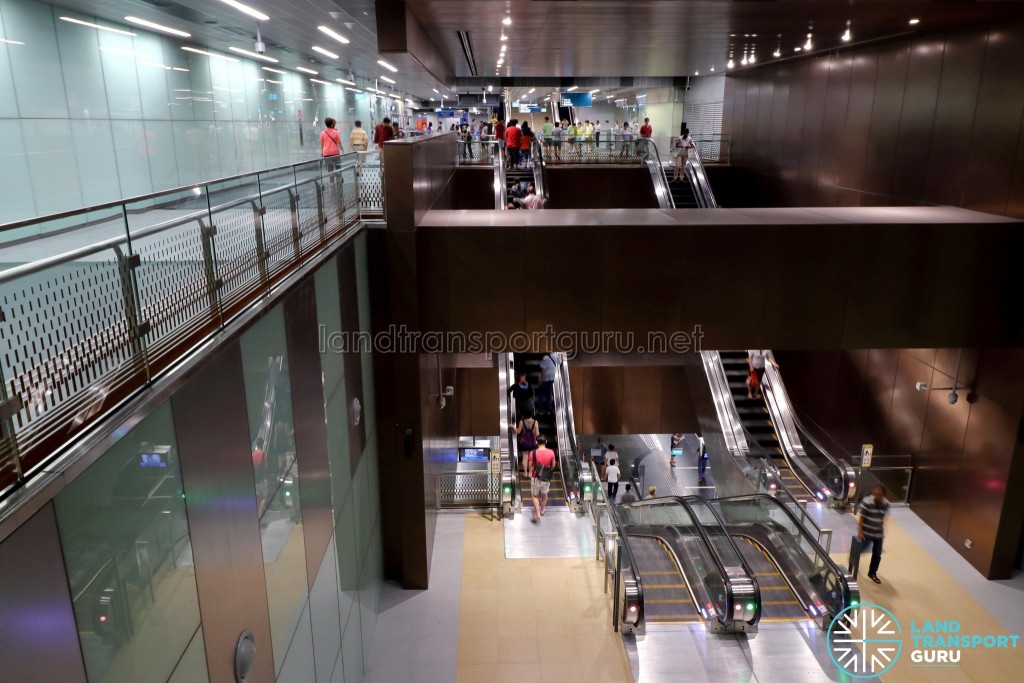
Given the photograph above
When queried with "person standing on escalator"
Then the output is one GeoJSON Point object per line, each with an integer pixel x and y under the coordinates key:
{"type": "Point", "coordinates": [524, 395]}
{"type": "Point", "coordinates": [528, 431]}
{"type": "Point", "coordinates": [612, 475]}
{"type": "Point", "coordinates": [546, 400]}
{"type": "Point", "coordinates": [540, 482]}
{"type": "Point", "coordinates": [756, 360]}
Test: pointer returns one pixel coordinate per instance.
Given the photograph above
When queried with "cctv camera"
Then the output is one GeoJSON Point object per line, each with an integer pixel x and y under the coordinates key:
{"type": "Point", "coordinates": [687, 87]}
{"type": "Point", "coordinates": [260, 47]}
{"type": "Point", "coordinates": [441, 402]}
{"type": "Point", "coordinates": [921, 386]}
{"type": "Point", "coordinates": [952, 398]}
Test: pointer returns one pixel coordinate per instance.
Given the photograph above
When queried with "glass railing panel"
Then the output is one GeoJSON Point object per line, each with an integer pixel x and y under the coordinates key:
{"type": "Point", "coordinates": [237, 245]}
{"type": "Point", "coordinates": [716, 533]}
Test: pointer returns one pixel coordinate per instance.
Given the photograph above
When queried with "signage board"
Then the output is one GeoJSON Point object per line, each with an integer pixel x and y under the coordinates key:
{"type": "Point", "coordinates": [866, 451]}
{"type": "Point", "coordinates": [532, 109]}
{"type": "Point", "coordinates": [445, 114]}
{"type": "Point", "coordinates": [576, 99]}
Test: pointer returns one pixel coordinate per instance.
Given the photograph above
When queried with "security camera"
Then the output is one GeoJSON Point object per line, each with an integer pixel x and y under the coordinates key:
{"type": "Point", "coordinates": [441, 402]}
{"type": "Point", "coordinates": [952, 398]}
{"type": "Point", "coordinates": [687, 87]}
{"type": "Point", "coordinates": [260, 47]}
{"type": "Point", "coordinates": [921, 386]}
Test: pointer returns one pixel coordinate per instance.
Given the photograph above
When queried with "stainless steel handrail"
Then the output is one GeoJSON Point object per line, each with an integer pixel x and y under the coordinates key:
{"type": "Point", "coordinates": [540, 173]}
{"type": "Point", "coordinates": [661, 186]}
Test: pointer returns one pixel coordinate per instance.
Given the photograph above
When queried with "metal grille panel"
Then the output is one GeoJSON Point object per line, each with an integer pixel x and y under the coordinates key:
{"type": "Point", "coordinates": [464, 489]}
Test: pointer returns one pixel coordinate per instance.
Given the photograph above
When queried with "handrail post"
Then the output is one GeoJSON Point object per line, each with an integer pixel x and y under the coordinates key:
{"type": "Point", "coordinates": [213, 283]}
{"type": "Point", "coordinates": [293, 207]}
{"type": "Point", "coordinates": [137, 328]}
{"type": "Point", "coordinates": [258, 212]}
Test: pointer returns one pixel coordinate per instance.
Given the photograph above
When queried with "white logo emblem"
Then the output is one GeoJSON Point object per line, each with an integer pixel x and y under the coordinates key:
{"type": "Point", "coordinates": [357, 412]}
{"type": "Point", "coordinates": [865, 640]}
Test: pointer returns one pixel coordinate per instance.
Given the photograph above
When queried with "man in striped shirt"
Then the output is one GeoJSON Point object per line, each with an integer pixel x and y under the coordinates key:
{"type": "Point", "coordinates": [871, 530]}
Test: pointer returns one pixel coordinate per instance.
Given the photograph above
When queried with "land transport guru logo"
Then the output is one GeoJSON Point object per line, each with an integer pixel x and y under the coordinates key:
{"type": "Point", "coordinates": [866, 640]}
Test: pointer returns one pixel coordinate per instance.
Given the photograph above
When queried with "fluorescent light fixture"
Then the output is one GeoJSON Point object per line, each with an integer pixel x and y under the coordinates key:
{"type": "Point", "coordinates": [11, 42]}
{"type": "Point", "coordinates": [533, 90]}
{"type": "Point", "coordinates": [594, 92]}
{"type": "Point", "coordinates": [607, 97]}
{"type": "Point", "coordinates": [389, 67]}
{"type": "Point", "coordinates": [273, 70]}
{"type": "Point", "coordinates": [326, 53]}
{"type": "Point", "coordinates": [797, 49]}
{"type": "Point", "coordinates": [342, 80]}
{"type": "Point", "coordinates": [97, 26]}
{"type": "Point", "coordinates": [913, 22]}
{"type": "Point", "coordinates": [156, 64]}
{"type": "Point", "coordinates": [490, 88]}
{"type": "Point", "coordinates": [316, 80]}
{"type": "Point", "coordinates": [503, 47]}
{"type": "Point", "coordinates": [435, 90]}
{"type": "Point", "coordinates": [157, 27]}
{"type": "Point", "coordinates": [808, 45]}
{"type": "Point", "coordinates": [186, 48]}
{"type": "Point", "coordinates": [277, 82]}
{"type": "Point", "coordinates": [730, 64]}
{"type": "Point", "coordinates": [507, 21]}
{"type": "Point", "coordinates": [254, 55]}
{"type": "Point", "coordinates": [338, 37]}
{"type": "Point", "coordinates": [245, 9]}
{"type": "Point", "coordinates": [387, 80]}
{"type": "Point", "coordinates": [353, 90]}
{"type": "Point", "coordinates": [503, 37]}
{"type": "Point", "coordinates": [572, 88]}
{"type": "Point", "coordinates": [305, 70]}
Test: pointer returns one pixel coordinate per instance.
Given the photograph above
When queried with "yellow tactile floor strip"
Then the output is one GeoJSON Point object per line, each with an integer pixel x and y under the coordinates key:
{"type": "Point", "coordinates": [533, 620]}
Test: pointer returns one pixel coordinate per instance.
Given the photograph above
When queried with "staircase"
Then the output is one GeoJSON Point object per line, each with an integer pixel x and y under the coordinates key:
{"type": "Point", "coordinates": [754, 414]}
{"type": "Point", "coordinates": [530, 364]}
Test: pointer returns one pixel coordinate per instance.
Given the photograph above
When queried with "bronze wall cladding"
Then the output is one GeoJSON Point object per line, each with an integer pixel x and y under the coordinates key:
{"type": "Point", "coordinates": [476, 393]}
{"type": "Point", "coordinates": [473, 188]}
{"type": "Point", "coordinates": [967, 467]}
{"type": "Point", "coordinates": [210, 422]}
{"type": "Point", "coordinates": [307, 396]}
{"type": "Point", "coordinates": [933, 119]}
{"type": "Point", "coordinates": [824, 282]}
{"type": "Point", "coordinates": [632, 399]}
{"type": "Point", "coordinates": [38, 636]}
{"type": "Point", "coordinates": [601, 188]}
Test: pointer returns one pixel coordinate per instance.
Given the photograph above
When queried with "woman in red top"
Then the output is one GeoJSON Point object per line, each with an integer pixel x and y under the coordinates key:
{"type": "Point", "coordinates": [525, 142]}
{"type": "Point", "coordinates": [330, 144]}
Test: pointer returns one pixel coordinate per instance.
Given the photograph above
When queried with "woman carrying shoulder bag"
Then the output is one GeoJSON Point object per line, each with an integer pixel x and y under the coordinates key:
{"type": "Point", "coordinates": [528, 430]}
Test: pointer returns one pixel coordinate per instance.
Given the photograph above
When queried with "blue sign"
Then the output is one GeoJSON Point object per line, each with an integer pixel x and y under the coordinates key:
{"type": "Point", "coordinates": [577, 99]}
{"type": "Point", "coordinates": [525, 108]}
{"type": "Point", "coordinates": [271, 96]}
{"type": "Point", "coordinates": [445, 114]}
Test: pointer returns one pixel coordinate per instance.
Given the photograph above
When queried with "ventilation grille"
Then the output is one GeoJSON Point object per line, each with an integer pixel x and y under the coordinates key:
{"type": "Point", "coordinates": [467, 50]}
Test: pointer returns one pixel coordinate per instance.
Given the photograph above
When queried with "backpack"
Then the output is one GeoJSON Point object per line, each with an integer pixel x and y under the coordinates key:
{"type": "Point", "coordinates": [544, 472]}
{"type": "Point", "coordinates": [529, 438]}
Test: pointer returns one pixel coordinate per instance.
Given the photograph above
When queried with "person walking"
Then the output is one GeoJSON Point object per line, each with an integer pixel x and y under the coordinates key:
{"type": "Point", "coordinates": [599, 452]}
{"type": "Point", "coordinates": [540, 483]}
{"type": "Point", "coordinates": [548, 131]}
{"type": "Point", "coordinates": [756, 360]}
{"type": "Point", "coordinates": [330, 145]}
{"type": "Point", "coordinates": [612, 474]}
{"type": "Point", "coordinates": [523, 394]}
{"type": "Point", "coordinates": [871, 527]}
{"type": "Point", "coordinates": [499, 137]}
{"type": "Point", "coordinates": [627, 495]}
{"type": "Point", "coordinates": [513, 138]}
{"type": "Point", "coordinates": [682, 149]}
{"type": "Point", "coordinates": [597, 132]}
{"type": "Point", "coordinates": [528, 431]}
{"type": "Point", "coordinates": [381, 134]}
{"type": "Point", "coordinates": [675, 449]}
{"type": "Point", "coordinates": [702, 461]}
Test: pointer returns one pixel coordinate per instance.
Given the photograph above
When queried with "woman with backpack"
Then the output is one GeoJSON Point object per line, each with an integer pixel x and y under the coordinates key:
{"type": "Point", "coordinates": [528, 430]}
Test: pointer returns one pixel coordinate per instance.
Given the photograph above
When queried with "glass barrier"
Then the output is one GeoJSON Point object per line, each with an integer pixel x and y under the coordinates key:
{"type": "Point", "coordinates": [94, 303]}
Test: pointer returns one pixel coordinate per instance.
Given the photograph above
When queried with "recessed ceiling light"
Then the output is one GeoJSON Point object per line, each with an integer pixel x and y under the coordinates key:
{"type": "Point", "coordinates": [808, 45]}
{"type": "Point", "coordinates": [245, 9]}
{"type": "Point", "coordinates": [797, 49]}
{"type": "Point", "coordinates": [777, 53]}
{"type": "Point", "coordinates": [315, 80]}
{"type": "Point", "coordinates": [186, 48]}
{"type": "Point", "coordinates": [254, 55]}
{"type": "Point", "coordinates": [11, 42]}
{"type": "Point", "coordinates": [712, 67]}
{"type": "Point", "coordinates": [342, 80]}
{"type": "Point", "coordinates": [847, 35]}
{"type": "Point", "coordinates": [387, 66]}
{"type": "Point", "coordinates": [503, 37]}
{"type": "Point", "coordinates": [593, 92]}
{"type": "Point", "coordinates": [386, 79]}
{"type": "Point", "coordinates": [326, 53]}
{"type": "Point", "coordinates": [753, 58]}
{"type": "Point", "coordinates": [507, 21]}
{"type": "Point", "coordinates": [696, 73]}
{"type": "Point", "coordinates": [276, 71]}
{"type": "Point", "coordinates": [729, 64]}
{"type": "Point", "coordinates": [97, 26]}
{"type": "Point", "coordinates": [914, 22]}
{"type": "Point", "coordinates": [338, 37]}
{"type": "Point", "coordinates": [353, 90]}
{"type": "Point", "coordinates": [157, 27]}
{"type": "Point", "coordinates": [490, 88]}
{"type": "Point", "coordinates": [305, 70]}
{"type": "Point", "coordinates": [533, 90]}
{"type": "Point", "coordinates": [572, 88]}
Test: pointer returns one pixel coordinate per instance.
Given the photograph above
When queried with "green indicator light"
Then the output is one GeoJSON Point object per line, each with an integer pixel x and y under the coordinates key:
{"type": "Point", "coordinates": [586, 488]}
{"type": "Point", "coordinates": [854, 603]}
{"type": "Point", "coordinates": [508, 489]}
{"type": "Point", "coordinates": [750, 605]}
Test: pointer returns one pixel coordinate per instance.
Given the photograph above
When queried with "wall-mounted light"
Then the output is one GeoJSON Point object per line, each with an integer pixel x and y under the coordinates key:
{"type": "Point", "coordinates": [953, 396]}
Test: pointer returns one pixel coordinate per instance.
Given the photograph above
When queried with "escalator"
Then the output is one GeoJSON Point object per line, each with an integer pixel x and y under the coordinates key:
{"type": "Point", "coordinates": [798, 578]}
{"type": "Point", "coordinates": [530, 364]}
{"type": "Point", "coordinates": [753, 414]}
{"type": "Point", "coordinates": [683, 194]}
{"type": "Point", "coordinates": [667, 600]}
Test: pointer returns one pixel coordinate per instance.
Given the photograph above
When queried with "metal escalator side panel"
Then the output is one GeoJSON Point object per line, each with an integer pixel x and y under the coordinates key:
{"type": "Point", "coordinates": [508, 443]}
{"type": "Point", "coordinates": [659, 565]}
{"type": "Point", "coordinates": [500, 187]}
{"type": "Point", "coordinates": [725, 407]}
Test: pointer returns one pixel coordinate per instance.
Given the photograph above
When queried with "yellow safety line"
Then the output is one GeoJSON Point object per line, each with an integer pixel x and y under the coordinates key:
{"type": "Point", "coordinates": [777, 620]}
{"type": "Point", "coordinates": [669, 601]}
{"type": "Point", "coordinates": [780, 602]}
{"type": "Point", "coordinates": [665, 585]}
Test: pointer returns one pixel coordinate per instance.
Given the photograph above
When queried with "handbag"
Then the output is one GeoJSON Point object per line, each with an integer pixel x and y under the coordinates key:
{"type": "Point", "coordinates": [752, 382]}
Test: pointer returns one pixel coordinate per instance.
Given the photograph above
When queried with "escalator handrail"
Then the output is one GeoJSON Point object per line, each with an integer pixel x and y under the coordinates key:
{"type": "Point", "coordinates": [540, 171]}
{"type": "Point", "coordinates": [570, 463]}
{"type": "Point", "coordinates": [659, 172]}
{"type": "Point", "coordinates": [500, 189]}
{"type": "Point", "coordinates": [510, 433]}
{"type": "Point", "coordinates": [847, 583]}
{"type": "Point", "coordinates": [633, 566]}
{"type": "Point", "coordinates": [730, 598]}
{"type": "Point", "coordinates": [787, 425]}
{"type": "Point", "coordinates": [697, 164]}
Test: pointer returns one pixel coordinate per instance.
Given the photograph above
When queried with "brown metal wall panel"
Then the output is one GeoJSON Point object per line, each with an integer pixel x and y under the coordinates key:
{"type": "Point", "coordinates": [641, 400]}
{"type": "Point", "coordinates": [790, 305]}
{"type": "Point", "coordinates": [777, 130]}
{"type": "Point", "coordinates": [474, 188]}
{"type": "Point", "coordinates": [762, 138]}
{"type": "Point", "coordinates": [979, 487]}
{"type": "Point", "coordinates": [909, 406]}
{"type": "Point", "coordinates": [38, 636]}
{"type": "Point", "coordinates": [917, 117]}
{"type": "Point", "coordinates": [793, 142]}
{"type": "Point", "coordinates": [1015, 205]}
{"type": "Point", "coordinates": [814, 116]}
{"type": "Point", "coordinates": [487, 275]}
{"type": "Point", "coordinates": [831, 161]}
{"type": "Point", "coordinates": [216, 469]}
{"type": "Point", "coordinates": [434, 284]}
{"type": "Point", "coordinates": [603, 400]}
{"type": "Point", "coordinates": [750, 99]}
{"type": "Point", "coordinates": [1000, 377]}
{"type": "Point", "coordinates": [658, 283]}
{"type": "Point", "coordinates": [854, 150]}
{"type": "Point", "coordinates": [997, 122]}
{"type": "Point", "coordinates": [962, 63]}
{"type": "Point", "coordinates": [307, 397]}
{"type": "Point", "coordinates": [678, 412]}
{"type": "Point", "coordinates": [606, 187]}
{"type": "Point", "coordinates": [885, 118]}
{"type": "Point", "coordinates": [577, 387]}
{"type": "Point", "coordinates": [577, 300]}
{"type": "Point", "coordinates": [849, 425]}
{"type": "Point", "coordinates": [880, 377]}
